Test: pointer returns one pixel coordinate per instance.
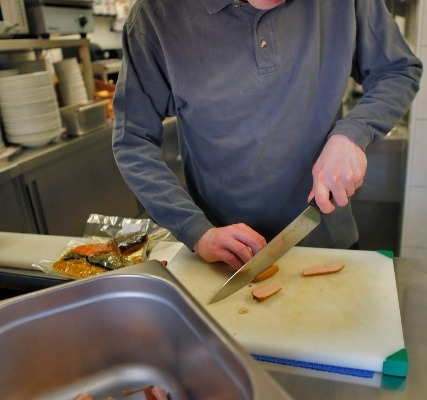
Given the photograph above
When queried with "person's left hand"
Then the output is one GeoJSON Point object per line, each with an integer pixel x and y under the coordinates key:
{"type": "Point", "coordinates": [233, 244]}
{"type": "Point", "coordinates": [339, 170]}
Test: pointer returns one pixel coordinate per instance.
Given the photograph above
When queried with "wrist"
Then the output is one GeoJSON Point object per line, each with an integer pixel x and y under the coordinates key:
{"type": "Point", "coordinates": [343, 136]}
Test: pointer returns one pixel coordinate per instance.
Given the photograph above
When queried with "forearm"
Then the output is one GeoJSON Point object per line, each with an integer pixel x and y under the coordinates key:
{"type": "Point", "coordinates": [139, 108]}
{"type": "Point", "coordinates": [381, 107]}
{"type": "Point", "coordinates": [387, 70]}
{"type": "Point", "coordinates": [159, 190]}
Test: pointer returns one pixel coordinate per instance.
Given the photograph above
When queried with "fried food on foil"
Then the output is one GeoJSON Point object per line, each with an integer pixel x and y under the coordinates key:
{"type": "Point", "coordinates": [87, 260]}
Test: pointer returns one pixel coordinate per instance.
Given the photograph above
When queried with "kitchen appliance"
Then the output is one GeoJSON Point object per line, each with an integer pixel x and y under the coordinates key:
{"type": "Point", "coordinates": [123, 330]}
{"type": "Point", "coordinates": [46, 17]}
{"type": "Point", "coordinates": [276, 248]}
{"type": "Point", "coordinates": [347, 323]}
{"type": "Point", "coordinates": [13, 20]}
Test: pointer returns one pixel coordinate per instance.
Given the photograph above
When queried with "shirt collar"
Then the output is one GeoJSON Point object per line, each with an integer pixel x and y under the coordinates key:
{"type": "Point", "coordinates": [213, 6]}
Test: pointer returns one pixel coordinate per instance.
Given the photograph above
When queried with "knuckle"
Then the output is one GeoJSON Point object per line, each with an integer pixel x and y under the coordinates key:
{"type": "Point", "coordinates": [230, 259]}
{"type": "Point", "coordinates": [239, 247]}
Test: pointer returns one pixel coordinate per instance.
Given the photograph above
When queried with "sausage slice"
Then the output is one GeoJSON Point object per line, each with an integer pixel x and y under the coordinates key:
{"type": "Point", "coordinates": [323, 269]}
{"type": "Point", "coordinates": [264, 292]}
{"type": "Point", "coordinates": [268, 273]}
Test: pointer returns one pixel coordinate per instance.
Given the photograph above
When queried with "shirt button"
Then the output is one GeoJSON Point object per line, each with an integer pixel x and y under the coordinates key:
{"type": "Point", "coordinates": [263, 43]}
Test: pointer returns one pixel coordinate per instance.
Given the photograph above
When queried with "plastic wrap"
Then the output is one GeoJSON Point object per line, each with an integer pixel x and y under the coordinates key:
{"type": "Point", "coordinates": [109, 242]}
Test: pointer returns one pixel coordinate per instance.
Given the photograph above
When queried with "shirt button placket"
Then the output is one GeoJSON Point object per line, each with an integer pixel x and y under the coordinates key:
{"type": "Point", "coordinates": [264, 40]}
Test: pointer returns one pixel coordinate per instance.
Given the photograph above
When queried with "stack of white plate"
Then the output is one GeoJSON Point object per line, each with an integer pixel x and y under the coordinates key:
{"type": "Point", "coordinates": [8, 72]}
{"type": "Point", "coordinates": [5, 72]}
{"type": "Point", "coordinates": [2, 145]}
{"type": "Point", "coordinates": [71, 82]}
{"type": "Point", "coordinates": [26, 66]}
{"type": "Point", "coordinates": [29, 109]}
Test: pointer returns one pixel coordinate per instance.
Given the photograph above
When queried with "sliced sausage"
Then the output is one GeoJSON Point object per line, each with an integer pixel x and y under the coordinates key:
{"type": "Point", "coordinates": [323, 269]}
{"type": "Point", "coordinates": [83, 396]}
{"type": "Point", "coordinates": [268, 273]}
{"type": "Point", "coordinates": [160, 393]}
{"type": "Point", "coordinates": [264, 292]}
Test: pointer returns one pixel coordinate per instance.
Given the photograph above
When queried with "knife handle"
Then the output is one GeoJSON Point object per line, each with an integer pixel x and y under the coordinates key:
{"type": "Point", "coordinates": [313, 203]}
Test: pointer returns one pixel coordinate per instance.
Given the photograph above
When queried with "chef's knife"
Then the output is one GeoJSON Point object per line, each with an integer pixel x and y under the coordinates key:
{"type": "Point", "coordinates": [276, 248]}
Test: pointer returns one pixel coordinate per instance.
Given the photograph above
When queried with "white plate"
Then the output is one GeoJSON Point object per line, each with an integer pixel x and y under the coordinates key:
{"type": "Point", "coordinates": [48, 133]}
{"type": "Point", "coordinates": [31, 117]}
{"type": "Point", "coordinates": [29, 109]}
{"type": "Point", "coordinates": [26, 98]}
{"type": "Point", "coordinates": [8, 72]}
{"type": "Point", "coordinates": [32, 129]}
{"type": "Point", "coordinates": [36, 140]}
{"type": "Point", "coordinates": [32, 77]}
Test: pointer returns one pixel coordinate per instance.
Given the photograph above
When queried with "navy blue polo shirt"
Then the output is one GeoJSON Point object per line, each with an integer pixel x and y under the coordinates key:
{"type": "Point", "coordinates": [256, 94]}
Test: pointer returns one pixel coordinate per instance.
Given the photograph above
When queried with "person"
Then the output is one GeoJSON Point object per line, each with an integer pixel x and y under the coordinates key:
{"type": "Point", "coordinates": [257, 88]}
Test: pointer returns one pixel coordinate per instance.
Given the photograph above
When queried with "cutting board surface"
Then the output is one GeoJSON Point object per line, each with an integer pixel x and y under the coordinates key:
{"type": "Point", "coordinates": [348, 319]}
{"type": "Point", "coordinates": [22, 250]}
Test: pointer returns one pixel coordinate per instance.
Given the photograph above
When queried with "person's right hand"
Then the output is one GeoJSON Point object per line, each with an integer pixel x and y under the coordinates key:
{"type": "Point", "coordinates": [339, 171]}
{"type": "Point", "coordinates": [232, 244]}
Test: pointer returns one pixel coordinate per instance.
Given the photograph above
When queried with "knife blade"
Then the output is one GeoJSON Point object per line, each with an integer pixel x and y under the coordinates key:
{"type": "Point", "coordinates": [299, 228]}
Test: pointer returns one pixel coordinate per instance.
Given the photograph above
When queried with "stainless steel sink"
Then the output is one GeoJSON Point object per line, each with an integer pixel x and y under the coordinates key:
{"type": "Point", "coordinates": [123, 330]}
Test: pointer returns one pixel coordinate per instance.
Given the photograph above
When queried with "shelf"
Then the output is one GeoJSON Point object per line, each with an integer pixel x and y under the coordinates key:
{"type": "Point", "coordinates": [105, 15]}
{"type": "Point", "coordinates": [38, 45]}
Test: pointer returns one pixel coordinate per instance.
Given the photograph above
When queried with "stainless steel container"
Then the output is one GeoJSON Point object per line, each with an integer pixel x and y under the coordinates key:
{"type": "Point", "coordinates": [79, 119]}
{"type": "Point", "coordinates": [122, 330]}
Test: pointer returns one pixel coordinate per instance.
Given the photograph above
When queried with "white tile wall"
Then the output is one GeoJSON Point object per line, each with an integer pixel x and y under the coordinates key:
{"type": "Point", "coordinates": [417, 252]}
{"type": "Point", "coordinates": [417, 163]}
{"type": "Point", "coordinates": [417, 218]}
{"type": "Point", "coordinates": [414, 222]}
{"type": "Point", "coordinates": [423, 27]}
{"type": "Point", "coordinates": [421, 101]}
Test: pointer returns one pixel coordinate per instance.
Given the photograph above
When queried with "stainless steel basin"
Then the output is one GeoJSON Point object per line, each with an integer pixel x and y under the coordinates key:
{"type": "Point", "coordinates": [123, 330]}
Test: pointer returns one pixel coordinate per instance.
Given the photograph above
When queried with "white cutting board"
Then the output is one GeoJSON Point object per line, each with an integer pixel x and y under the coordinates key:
{"type": "Point", "coordinates": [23, 250]}
{"type": "Point", "coordinates": [350, 319]}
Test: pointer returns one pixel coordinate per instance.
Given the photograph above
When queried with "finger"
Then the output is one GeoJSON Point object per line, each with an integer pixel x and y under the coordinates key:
{"type": "Point", "coordinates": [351, 187]}
{"type": "Point", "coordinates": [250, 238]}
{"type": "Point", "coordinates": [221, 254]}
{"type": "Point", "coordinates": [340, 197]}
{"type": "Point", "coordinates": [350, 190]}
{"type": "Point", "coordinates": [321, 194]}
{"type": "Point", "coordinates": [253, 246]}
{"type": "Point", "coordinates": [239, 250]}
{"type": "Point", "coordinates": [231, 259]}
{"type": "Point", "coordinates": [358, 184]}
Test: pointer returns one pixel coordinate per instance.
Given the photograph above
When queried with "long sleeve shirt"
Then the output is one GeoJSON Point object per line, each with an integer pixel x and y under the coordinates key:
{"type": "Point", "coordinates": [256, 95]}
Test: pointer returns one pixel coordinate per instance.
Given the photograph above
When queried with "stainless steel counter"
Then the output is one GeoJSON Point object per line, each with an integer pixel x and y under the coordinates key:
{"type": "Point", "coordinates": [36, 181]}
{"type": "Point", "coordinates": [411, 278]}
{"type": "Point", "coordinates": [31, 158]}
{"type": "Point", "coordinates": [300, 383]}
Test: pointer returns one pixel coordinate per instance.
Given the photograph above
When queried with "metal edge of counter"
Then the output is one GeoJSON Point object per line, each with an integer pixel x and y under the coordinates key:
{"type": "Point", "coordinates": [33, 157]}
